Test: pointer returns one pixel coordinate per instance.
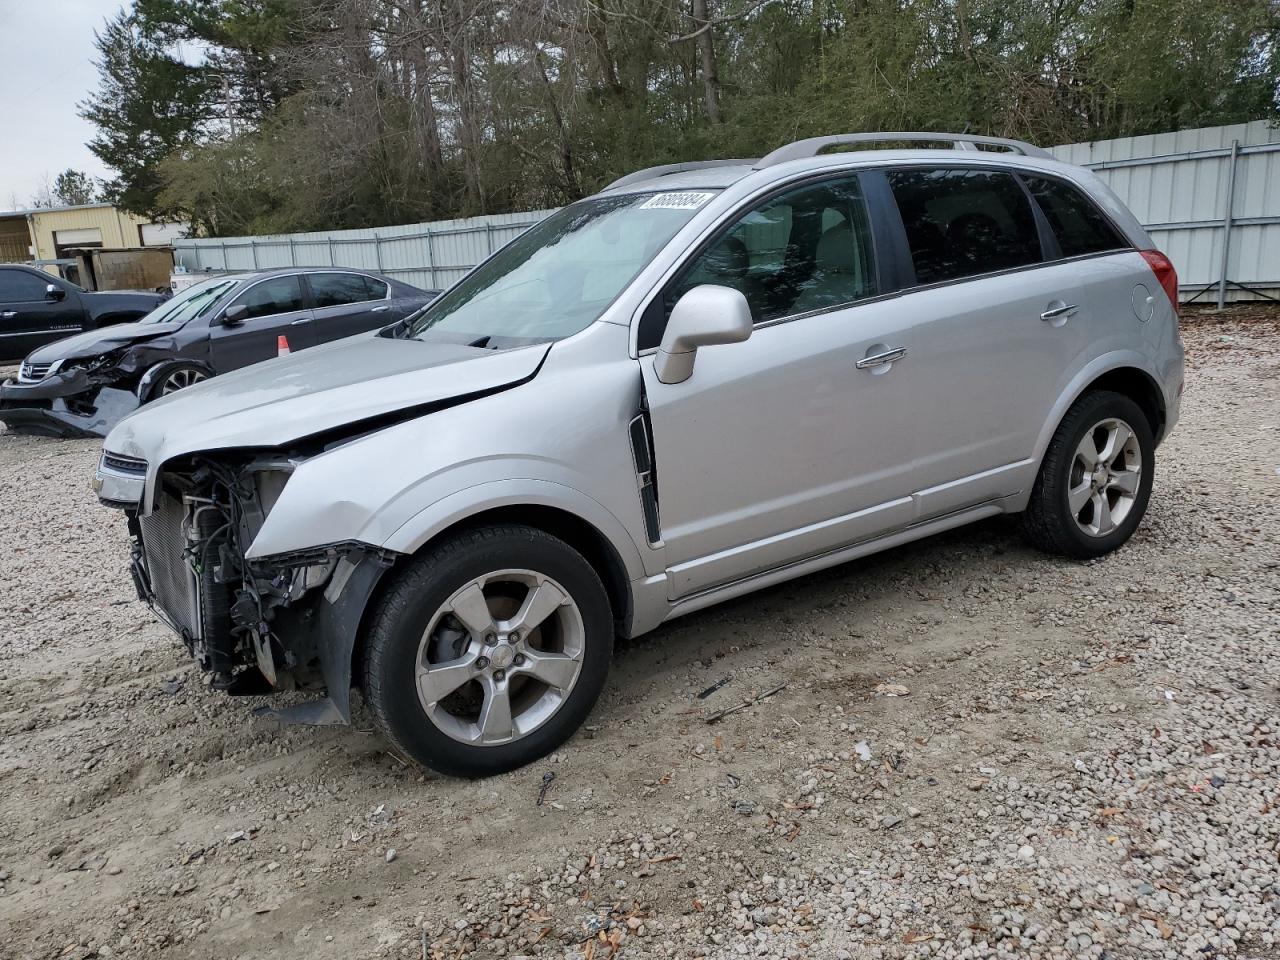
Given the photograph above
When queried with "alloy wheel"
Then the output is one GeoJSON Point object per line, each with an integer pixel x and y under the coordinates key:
{"type": "Point", "coordinates": [500, 657]}
{"type": "Point", "coordinates": [1106, 473]}
{"type": "Point", "coordinates": [180, 379]}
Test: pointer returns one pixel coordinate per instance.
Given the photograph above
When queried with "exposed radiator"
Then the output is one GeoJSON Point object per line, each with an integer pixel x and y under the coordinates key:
{"type": "Point", "coordinates": [172, 581]}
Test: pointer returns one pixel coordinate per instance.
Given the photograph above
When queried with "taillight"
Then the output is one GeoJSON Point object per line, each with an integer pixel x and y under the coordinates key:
{"type": "Point", "coordinates": [1164, 272]}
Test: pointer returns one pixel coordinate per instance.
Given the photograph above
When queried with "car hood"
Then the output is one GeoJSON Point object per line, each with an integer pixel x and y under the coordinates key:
{"type": "Point", "coordinates": [273, 403]}
{"type": "Point", "coordinates": [92, 343]}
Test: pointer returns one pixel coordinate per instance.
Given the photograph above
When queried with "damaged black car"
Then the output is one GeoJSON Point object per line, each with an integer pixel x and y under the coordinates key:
{"type": "Point", "coordinates": [84, 384]}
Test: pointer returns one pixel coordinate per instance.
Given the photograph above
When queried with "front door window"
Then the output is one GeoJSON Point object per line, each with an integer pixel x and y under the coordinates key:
{"type": "Point", "coordinates": [804, 251]}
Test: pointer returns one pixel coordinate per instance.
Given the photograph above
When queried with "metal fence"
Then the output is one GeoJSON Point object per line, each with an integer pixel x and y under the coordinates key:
{"type": "Point", "coordinates": [428, 255]}
{"type": "Point", "coordinates": [1210, 198]}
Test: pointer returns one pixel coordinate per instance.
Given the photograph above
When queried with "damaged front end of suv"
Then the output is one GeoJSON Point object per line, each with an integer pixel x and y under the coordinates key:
{"type": "Point", "coordinates": [258, 625]}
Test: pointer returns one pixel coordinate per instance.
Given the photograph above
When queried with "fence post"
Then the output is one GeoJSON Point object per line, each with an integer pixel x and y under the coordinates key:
{"type": "Point", "coordinates": [488, 237]}
{"type": "Point", "coordinates": [1227, 223]}
{"type": "Point", "coordinates": [253, 249]}
{"type": "Point", "coordinates": [377, 251]}
{"type": "Point", "coordinates": [293, 256]}
{"type": "Point", "coordinates": [196, 248]}
{"type": "Point", "coordinates": [431, 260]}
{"type": "Point", "coordinates": [329, 243]}
{"type": "Point", "coordinates": [226, 264]}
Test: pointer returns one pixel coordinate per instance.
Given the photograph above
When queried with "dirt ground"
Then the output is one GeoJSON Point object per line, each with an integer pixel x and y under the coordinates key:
{"type": "Point", "coordinates": [1086, 762]}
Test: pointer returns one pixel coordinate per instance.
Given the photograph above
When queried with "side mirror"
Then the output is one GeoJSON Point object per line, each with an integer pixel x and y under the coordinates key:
{"type": "Point", "coordinates": [54, 292]}
{"type": "Point", "coordinates": [706, 315]}
{"type": "Point", "coordinates": [235, 315]}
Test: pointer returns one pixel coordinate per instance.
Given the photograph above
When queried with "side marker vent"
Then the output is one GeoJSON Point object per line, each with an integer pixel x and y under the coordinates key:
{"type": "Point", "coordinates": [642, 456]}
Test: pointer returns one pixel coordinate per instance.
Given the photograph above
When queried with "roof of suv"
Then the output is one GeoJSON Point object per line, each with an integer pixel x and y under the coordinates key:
{"type": "Point", "coordinates": [722, 173]}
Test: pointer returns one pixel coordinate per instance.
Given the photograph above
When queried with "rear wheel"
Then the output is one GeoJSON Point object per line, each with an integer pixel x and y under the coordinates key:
{"type": "Point", "coordinates": [489, 651]}
{"type": "Point", "coordinates": [1095, 480]}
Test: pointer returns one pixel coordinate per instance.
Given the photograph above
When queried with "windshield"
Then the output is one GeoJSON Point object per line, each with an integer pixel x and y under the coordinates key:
{"type": "Point", "coordinates": [559, 277]}
{"type": "Point", "coordinates": [195, 301]}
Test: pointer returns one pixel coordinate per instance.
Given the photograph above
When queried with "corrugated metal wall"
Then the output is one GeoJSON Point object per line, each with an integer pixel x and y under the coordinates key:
{"type": "Point", "coordinates": [428, 255]}
{"type": "Point", "coordinates": [1176, 183]}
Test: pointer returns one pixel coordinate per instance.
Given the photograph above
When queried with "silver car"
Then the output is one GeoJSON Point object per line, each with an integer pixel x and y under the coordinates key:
{"type": "Point", "coordinates": [704, 380]}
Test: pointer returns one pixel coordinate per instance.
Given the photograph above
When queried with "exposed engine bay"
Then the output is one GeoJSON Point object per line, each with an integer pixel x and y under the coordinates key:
{"type": "Point", "coordinates": [270, 624]}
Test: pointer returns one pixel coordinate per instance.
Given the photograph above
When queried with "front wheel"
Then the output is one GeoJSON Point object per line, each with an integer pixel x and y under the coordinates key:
{"type": "Point", "coordinates": [1095, 480]}
{"type": "Point", "coordinates": [175, 378]}
{"type": "Point", "coordinates": [488, 651]}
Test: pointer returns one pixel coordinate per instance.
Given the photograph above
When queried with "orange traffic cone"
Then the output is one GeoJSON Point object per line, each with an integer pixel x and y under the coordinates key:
{"type": "Point", "coordinates": [282, 345]}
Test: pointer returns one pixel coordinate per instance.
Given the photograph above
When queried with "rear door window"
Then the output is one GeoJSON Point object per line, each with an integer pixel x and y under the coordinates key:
{"type": "Point", "coordinates": [961, 223]}
{"type": "Point", "coordinates": [277, 295]}
{"type": "Point", "coordinates": [1078, 225]}
{"type": "Point", "coordinates": [337, 289]}
{"type": "Point", "coordinates": [808, 249]}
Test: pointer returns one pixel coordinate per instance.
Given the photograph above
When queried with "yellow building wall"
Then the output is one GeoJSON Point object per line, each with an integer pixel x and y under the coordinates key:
{"type": "Point", "coordinates": [118, 229]}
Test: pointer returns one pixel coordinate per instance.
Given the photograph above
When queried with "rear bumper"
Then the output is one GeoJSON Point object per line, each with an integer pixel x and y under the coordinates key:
{"type": "Point", "coordinates": [1174, 381]}
{"type": "Point", "coordinates": [42, 409]}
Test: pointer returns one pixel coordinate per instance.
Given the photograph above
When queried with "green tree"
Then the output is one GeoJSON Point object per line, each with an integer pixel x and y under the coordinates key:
{"type": "Point", "coordinates": [311, 114]}
{"type": "Point", "coordinates": [148, 104]}
{"type": "Point", "coordinates": [74, 187]}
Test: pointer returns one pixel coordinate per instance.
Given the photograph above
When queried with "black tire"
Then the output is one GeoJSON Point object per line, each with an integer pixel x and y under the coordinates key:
{"type": "Point", "coordinates": [156, 387]}
{"type": "Point", "coordinates": [405, 611]}
{"type": "Point", "coordinates": [1048, 522]}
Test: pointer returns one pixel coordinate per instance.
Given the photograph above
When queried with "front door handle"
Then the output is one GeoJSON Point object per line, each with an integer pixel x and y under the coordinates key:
{"type": "Point", "coordinates": [1066, 310]}
{"type": "Point", "coordinates": [380, 309]}
{"type": "Point", "coordinates": [9, 314]}
{"type": "Point", "coordinates": [879, 359]}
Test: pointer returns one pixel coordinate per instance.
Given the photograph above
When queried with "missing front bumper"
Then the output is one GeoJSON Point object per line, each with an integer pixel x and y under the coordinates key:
{"type": "Point", "coordinates": [67, 404]}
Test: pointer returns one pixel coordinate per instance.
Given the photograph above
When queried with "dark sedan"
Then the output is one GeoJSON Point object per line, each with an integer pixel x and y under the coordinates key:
{"type": "Point", "coordinates": [38, 308]}
{"type": "Point", "coordinates": [82, 385]}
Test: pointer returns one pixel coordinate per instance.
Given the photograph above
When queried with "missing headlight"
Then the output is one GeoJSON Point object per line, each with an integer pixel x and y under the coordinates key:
{"type": "Point", "coordinates": [270, 484]}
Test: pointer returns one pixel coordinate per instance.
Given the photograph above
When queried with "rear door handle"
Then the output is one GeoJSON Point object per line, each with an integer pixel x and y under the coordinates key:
{"type": "Point", "coordinates": [9, 314]}
{"type": "Point", "coordinates": [879, 359]}
{"type": "Point", "coordinates": [300, 320]}
{"type": "Point", "coordinates": [1066, 310]}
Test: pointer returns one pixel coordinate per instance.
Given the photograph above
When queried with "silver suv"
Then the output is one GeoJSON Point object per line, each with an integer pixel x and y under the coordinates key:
{"type": "Point", "coordinates": [704, 380]}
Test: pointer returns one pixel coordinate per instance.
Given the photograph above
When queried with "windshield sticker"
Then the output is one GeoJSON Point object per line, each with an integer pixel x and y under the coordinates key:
{"type": "Point", "coordinates": [684, 200]}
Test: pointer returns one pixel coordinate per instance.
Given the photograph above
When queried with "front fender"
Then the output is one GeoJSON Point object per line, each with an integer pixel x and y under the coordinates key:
{"type": "Point", "coordinates": [444, 513]}
{"type": "Point", "coordinates": [157, 370]}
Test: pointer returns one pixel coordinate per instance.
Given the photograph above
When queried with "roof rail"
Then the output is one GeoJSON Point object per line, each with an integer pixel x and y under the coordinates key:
{"type": "Point", "coordinates": [667, 169]}
{"type": "Point", "coordinates": [960, 141]}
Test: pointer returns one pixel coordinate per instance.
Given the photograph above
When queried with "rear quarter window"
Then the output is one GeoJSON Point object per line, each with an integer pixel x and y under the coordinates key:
{"type": "Point", "coordinates": [1078, 224]}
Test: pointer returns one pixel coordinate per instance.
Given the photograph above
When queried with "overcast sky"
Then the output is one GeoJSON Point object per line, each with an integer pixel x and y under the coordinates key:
{"type": "Point", "coordinates": [46, 68]}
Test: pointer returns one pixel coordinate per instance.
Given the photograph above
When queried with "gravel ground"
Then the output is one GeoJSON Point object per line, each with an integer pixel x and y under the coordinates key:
{"type": "Point", "coordinates": [1084, 763]}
